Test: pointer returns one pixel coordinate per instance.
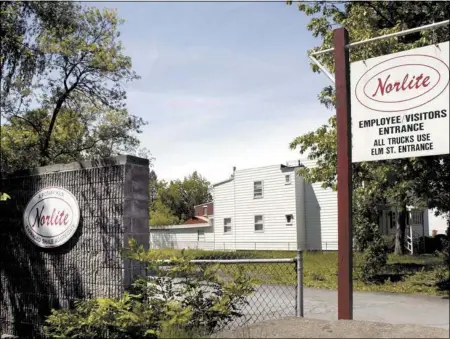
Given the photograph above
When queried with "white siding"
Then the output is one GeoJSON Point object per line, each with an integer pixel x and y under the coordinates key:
{"type": "Point", "coordinates": [321, 215]}
{"type": "Point", "coordinates": [224, 208]}
{"type": "Point", "coordinates": [300, 204]}
{"type": "Point", "coordinates": [182, 238]}
{"type": "Point", "coordinates": [277, 201]}
{"type": "Point", "coordinates": [235, 199]}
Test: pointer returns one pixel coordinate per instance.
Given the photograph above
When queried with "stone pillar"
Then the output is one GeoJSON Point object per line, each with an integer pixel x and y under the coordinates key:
{"type": "Point", "coordinates": [113, 199]}
{"type": "Point", "coordinates": [136, 213]}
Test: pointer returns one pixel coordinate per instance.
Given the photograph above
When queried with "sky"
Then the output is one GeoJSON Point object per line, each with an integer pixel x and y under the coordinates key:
{"type": "Point", "coordinates": [222, 84]}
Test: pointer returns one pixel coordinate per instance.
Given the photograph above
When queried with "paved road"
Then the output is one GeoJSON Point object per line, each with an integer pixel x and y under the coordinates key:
{"type": "Point", "coordinates": [269, 302]}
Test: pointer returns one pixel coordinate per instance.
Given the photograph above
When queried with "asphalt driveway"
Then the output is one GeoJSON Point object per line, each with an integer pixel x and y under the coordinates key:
{"type": "Point", "coordinates": [273, 302]}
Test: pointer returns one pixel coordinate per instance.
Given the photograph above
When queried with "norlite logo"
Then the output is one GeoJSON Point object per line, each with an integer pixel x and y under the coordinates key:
{"type": "Point", "coordinates": [51, 217]}
{"type": "Point", "coordinates": [402, 83]}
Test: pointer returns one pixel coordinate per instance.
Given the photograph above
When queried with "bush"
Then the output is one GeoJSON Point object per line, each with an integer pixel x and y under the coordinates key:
{"type": "Point", "coordinates": [111, 318]}
{"type": "Point", "coordinates": [200, 254]}
{"type": "Point", "coordinates": [374, 259]}
{"type": "Point", "coordinates": [389, 243]}
{"type": "Point", "coordinates": [429, 245]}
{"type": "Point", "coordinates": [446, 247]}
{"type": "Point", "coordinates": [364, 233]}
{"type": "Point", "coordinates": [177, 299]}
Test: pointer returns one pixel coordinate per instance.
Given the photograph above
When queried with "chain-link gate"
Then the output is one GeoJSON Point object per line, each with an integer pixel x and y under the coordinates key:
{"type": "Point", "coordinates": [276, 291]}
{"type": "Point", "coordinates": [276, 284]}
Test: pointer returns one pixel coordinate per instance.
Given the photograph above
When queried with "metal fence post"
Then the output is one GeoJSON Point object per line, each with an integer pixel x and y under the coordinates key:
{"type": "Point", "coordinates": [299, 291]}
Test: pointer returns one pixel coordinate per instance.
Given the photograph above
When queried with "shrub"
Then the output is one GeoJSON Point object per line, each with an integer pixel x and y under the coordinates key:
{"type": "Point", "coordinates": [430, 244]}
{"type": "Point", "coordinates": [364, 233]}
{"type": "Point", "coordinates": [111, 318]}
{"type": "Point", "coordinates": [177, 298]}
{"type": "Point", "coordinates": [374, 259]}
{"type": "Point", "coordinates": [201, 254]}
{"type": "Point", "coordinates": [389, 243]}
{"type": "Point", "coordinates": [446, 247]}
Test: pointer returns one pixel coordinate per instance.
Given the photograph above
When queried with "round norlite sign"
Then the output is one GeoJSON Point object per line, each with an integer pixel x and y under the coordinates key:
{"type": "Point", "coordinates": [51, 217]}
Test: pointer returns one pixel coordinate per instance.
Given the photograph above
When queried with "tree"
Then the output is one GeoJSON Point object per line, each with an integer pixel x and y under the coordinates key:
{"type": "Point", "coordinates": [21, 22]}
{"type": "Point", "coordinates": [194, 190]}
{"type": "Point", "coordinates": [21, 60]}
{"type": "Point", "coordinates": [153, 187]}
{"type": "Point", "coordinates": [176, 200]}
{"type": "Point", "coordinates": [81, 83]}
{"type": "Point", "coordinates": [392, 182]}
{"type": "Point", "coordinates": [75, 137]}
{"type": "Point", "coordinates": [436, 192]}
{"type": "Point", "coordinates": [162, 215]}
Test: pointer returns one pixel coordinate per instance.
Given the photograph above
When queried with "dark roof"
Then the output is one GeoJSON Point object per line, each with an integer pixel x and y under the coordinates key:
{"type": "Point", "coordinates": [282, 166]}
{"type": "Point", "coordinates": [223, 182]}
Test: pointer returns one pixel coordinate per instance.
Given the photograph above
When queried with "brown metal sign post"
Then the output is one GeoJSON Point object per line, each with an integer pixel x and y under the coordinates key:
{"type": "Point", "coordinates": [344, 174]}
{"type": "Point", "coordinates": [341, 79]}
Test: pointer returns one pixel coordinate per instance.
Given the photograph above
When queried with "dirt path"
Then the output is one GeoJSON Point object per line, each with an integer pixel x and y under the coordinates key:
{"type": "Point", "coordinates": [315, 328]}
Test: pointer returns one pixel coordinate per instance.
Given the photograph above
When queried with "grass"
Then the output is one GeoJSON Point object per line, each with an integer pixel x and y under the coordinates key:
{"type": "Point", "coordinates": [402, 274]}
{"type": "Point", "coordinates": [180, 333]}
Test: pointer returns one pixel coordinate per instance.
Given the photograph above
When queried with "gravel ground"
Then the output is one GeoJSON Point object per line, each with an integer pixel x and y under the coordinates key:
{"type": "Point", "coordinates": [315, 328]}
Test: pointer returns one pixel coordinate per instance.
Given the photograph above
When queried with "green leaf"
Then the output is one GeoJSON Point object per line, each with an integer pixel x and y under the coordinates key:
{"type": "Point", "coordinates": [4, 196]}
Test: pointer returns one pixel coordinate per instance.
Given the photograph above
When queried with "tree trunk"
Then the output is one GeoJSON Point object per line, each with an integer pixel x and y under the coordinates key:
{"type": "Point", "coordinates": [400, 232]}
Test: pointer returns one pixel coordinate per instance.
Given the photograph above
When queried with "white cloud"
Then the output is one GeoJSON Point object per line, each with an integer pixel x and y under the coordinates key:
{"type": "Point", "coordinates": [214, 104]}
{"type": "Point", "coordinates": [199, 133]}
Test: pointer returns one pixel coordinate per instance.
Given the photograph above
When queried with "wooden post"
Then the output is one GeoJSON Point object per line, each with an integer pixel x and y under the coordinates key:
{"type": "Point", "coordinates": [344, 175]}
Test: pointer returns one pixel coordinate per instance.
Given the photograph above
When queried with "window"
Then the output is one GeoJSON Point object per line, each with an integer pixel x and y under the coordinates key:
{"type": "Point", "coordinates": [416, 217]}
{"type": "Point", "coordinates": [205, 211]}
{"type": "Point", "coordinates": [289, 219]}
{"type": "Point", "coordinates": [392, 221]}
{"type": "Point", "coordinates": [211, 222]}
{"type": "Point", "coordinates": [287, 179]}
{"type": "Point", "coordinates": [259, 223]}
{"type": "Point", "coordinates": [257, 189]}
{"type": "Point", "coordinates": [227, 225]}
{"type": "Point", "coordinates": [200, 235]}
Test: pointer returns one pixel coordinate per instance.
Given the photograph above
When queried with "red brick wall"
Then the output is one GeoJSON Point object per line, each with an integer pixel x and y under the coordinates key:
{"type": "Point", "coordinates": [199, 209]}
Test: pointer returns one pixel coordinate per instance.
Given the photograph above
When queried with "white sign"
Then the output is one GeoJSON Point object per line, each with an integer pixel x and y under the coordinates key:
{"type": "Point", "coordinates": [400, 105]}
{"type": "Point", "coordinates": [51, 217]}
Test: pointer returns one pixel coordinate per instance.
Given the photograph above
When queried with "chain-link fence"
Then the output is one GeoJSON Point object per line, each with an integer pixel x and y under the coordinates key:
{"type": "Point", "coordinates": [165, 241]}
{"type": "Point", "coordinates": [276, 289]}
{"type": "Point", "coordinates": [275, 292]}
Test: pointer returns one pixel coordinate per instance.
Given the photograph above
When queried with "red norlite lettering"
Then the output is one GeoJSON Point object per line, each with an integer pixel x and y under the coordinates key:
{"type": "Point", "coordinates": [55, 219]}
{"type": "Point", "coordinates": [406, 84]}
{"type": "Point", "coordinates": [65, 219]}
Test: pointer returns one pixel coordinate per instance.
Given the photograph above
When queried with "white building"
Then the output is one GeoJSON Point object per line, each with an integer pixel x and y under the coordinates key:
{"type": "Point", "coordinates": [272, 208]}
